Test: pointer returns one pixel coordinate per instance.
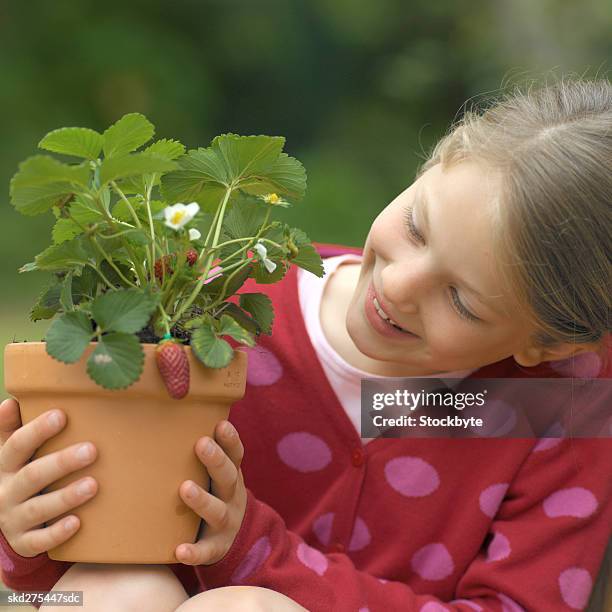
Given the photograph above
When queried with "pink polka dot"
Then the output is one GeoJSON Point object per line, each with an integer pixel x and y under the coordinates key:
{"type": "Point", "coordinates": [585, 365]}
{"type": "Point", "coordinates": [312, 558]}
{"type": "Point", "coordinates": [576, 501]}
{"type": "Point", "coordinates": [499, 548]}
{"type": "Point", "coordinates": [433, 562]}
{"type": "Point", "coordinates": [361, 535]}
{"type": "Point", "coordinates": [256, 556]}
{"type": "Point", "coordinates": [509, 605]}
{"type": "Point", "coordinates": [304, 452]}
{"type": "Point", "coordinates": [576, 585]}
{"type": "Point", "coordinates": [5, 562]}
{"type": "Point", "coordinates": [469, 604]}
{"type": "Point", "coordinates": [263, 367]}
{"type": "Point", "coordinates": [433, 606]}
{"type": "Point", "coordinates": [411, 476]}
{"type": "Point", "coordinates": [554, 435]}
{"type": "Point", "coordinates": [322, 527]}
{"type": "Point", "coordinates": [491, 498]}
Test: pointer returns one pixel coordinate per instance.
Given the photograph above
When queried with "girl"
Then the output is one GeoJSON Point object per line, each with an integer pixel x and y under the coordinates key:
{"type": "Point", "coordinates": [495, 262]}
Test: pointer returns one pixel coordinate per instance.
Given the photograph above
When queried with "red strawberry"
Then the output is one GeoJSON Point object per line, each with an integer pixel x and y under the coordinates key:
{"type": "Point", "coordinates": [163, 267]}
{"type": "Point", "coordinates": [174, 368]}
{"type": "Point", "coordinates": [192, 256]}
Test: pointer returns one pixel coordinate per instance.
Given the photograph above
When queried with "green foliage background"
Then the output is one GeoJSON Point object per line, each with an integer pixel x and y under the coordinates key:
{"type": "Point", "coordinates": [361, 90]}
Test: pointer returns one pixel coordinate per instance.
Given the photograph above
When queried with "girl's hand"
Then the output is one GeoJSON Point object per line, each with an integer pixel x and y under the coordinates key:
{"type": "Point", "coordinates": [223, 510]}
{"type": "Point", "coordinates": [22, 510]}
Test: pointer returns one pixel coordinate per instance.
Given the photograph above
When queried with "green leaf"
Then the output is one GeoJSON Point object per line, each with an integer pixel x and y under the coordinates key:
{"type": "Point", "coordinates": [42, 182]}
{"type": "Point", "coordinates": [196, 169]}
{"type": "Point", "coordinates": [229, 327]}
{"type": "Point", "coordinates": [65, 229]}
{"type": "Point", "coordinates": [127, 134]}
{"type": "Point", "coordinates": [286, 176]}
{"type": "Point", "coordinates": [166, 148]}
{"type": "Point", "coordinates": [80, 142]}
{"type": "Point", "coordinates": [84, 211]}
{"type": "Point", "coordinates": [209, 349]}
{"type": "Point", "coordinates": [69, 336]}
{"type": "Point", "coordinates": [260, 306]}
{"type": "Point", "coordinates": [47, 303]}
{"type": "Point", "coordinates": [112, 275]}
{"type": "Point", "coordinates": [117, 167]}
{"type": "Point", "coordinates": [66, 293]}
{"type": "Point", "coordinates": [242, 318]}
{"type": "Point", "coordinates": [307, 258]}
{"type": "Point", "coordinates": [62, 256]}
{"type": "Point", "coordinates": [126, 311]}
{"type": "Point", "coordinates": [263, 277]}
{"type": "Point", "coordinates": [84, 286]}
{"type": "Point", "coordinates": [214, 287]}
{"type": "Point", "coordinates": [117, 361]}
{"type": "Point", "coordinates": [245, 156]}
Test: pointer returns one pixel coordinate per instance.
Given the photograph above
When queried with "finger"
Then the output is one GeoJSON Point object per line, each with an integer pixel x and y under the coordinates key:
{"type": "Point", "coordinates": [229, 440]}
{"type": "Point", "coordinates": [203, 552]}
{"type": "Point", "coordinates": [10, 418]}
{"type": "Point", "coordinates": [210, 508]}
{"type": "Point", "coordinates": [24, 442]}
{"type": "Point", "coordinates": [32, 543]}
{"type": "Point", "coordinates": [45, 508]}
{"type": "Point", "coordinates": [222, 471]}
{"type": "Point", "coordinates": [40, 473]}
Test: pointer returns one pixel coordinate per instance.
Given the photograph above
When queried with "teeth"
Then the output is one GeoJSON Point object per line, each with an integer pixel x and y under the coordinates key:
{"type": "Point", "coordinates": [382, 315]}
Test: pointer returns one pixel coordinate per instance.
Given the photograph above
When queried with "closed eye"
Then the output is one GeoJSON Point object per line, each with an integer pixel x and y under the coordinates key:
{"type": "Point", "coordinates": [413, 232]}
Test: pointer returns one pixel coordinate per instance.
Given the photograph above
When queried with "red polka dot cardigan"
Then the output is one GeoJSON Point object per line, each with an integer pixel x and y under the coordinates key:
{"type": "Point", "coordinates": [429, 525]}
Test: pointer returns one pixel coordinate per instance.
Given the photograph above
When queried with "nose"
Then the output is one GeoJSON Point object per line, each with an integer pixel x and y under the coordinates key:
{"type": "Point", "coordinates": [404, 284]}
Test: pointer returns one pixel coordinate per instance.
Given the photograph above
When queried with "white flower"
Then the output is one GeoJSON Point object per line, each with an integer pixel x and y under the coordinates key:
{"type": "Point", "coordinates": [263, 254]}
{"type": "Point", "coordinates": [194, 234]}
{"type": "Point", "coordinates": [178, 215]}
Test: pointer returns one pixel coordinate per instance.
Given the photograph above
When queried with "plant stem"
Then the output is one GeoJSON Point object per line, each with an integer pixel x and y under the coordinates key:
{"type": "Point", "coordinates": [110, 285]}
{"type": "Point", "coordinates": [111, 263]}
{"type": "Point", "coordinates": [151, 227]}
{"type": "Point", "coordinates": [127, 203]}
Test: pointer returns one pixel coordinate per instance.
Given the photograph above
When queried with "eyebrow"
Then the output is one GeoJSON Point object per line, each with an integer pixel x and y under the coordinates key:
{"type": "Point", "coordinates": [423, 203]}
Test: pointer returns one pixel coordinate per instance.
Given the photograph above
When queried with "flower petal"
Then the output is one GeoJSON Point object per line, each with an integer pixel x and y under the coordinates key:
{"type": "Point", "coordinates": [270, 265]}
{"type": "Point", "coordinates": [192, 209]}
{"type": "Point", "coordinates": [194, 234]}
{"type": "Point", "coordinates": [261, 250]}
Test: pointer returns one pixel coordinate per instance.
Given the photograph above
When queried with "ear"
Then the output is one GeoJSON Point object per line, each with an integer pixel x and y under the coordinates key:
{"type": "Point", "coordinates": [534, 355]}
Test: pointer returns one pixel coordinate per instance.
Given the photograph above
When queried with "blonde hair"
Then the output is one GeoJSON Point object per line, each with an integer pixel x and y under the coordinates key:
{"type": "Point", "coordinates": [552, 147]}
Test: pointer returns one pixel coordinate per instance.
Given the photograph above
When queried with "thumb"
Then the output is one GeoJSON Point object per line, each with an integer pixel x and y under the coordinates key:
{"type": "Point", "coordinates": [10, 419]}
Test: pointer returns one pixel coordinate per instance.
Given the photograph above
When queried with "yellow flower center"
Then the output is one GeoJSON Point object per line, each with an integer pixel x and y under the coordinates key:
{"type": "Point", "coordinates": [177, 216]}
{"type": "Point", "coordinates": [272, 198]}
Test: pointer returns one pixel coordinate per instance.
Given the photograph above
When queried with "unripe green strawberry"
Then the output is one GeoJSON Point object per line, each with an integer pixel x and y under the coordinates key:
{"type": "Point", "coordinates": [174, 368]}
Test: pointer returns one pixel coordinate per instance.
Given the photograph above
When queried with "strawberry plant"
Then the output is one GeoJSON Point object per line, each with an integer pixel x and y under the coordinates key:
{"type": "Point", "coordinates": [150, 241]}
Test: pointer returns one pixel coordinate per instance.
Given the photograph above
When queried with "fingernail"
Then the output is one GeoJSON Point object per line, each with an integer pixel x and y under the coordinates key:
{"type": "Point", "coordinates": [190, 492]}
{"type": "Point", "coordinates": [54, 419]}
{"type": "Point", "coordinates": [83, 452]}
{"type": "Point", "coordinates": [209, 449]}
{"type": "Point", "coordinates": [85, 487]}
{"type": "Point", "coordinates": [229, 430]}
{"type": "Point", "coordinates": [70, 523]}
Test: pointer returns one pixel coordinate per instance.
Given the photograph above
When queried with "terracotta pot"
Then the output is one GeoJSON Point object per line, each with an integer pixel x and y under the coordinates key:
{"type": "Point", "coordinates": [145, 442]}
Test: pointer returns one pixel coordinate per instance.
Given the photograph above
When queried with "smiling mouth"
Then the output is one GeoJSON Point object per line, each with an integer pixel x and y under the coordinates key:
{"type": "Point", "coordinates": [382, 315]}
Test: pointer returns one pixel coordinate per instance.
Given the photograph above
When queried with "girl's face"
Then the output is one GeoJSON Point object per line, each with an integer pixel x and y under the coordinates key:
{"type": "Point", "coordinates": [428, 259]}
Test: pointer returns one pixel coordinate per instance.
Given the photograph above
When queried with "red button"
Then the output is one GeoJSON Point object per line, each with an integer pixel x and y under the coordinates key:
{"type": "Point", "coordinates": [357, 457]}
{"type": "Point", "coordinates": [338, 547]}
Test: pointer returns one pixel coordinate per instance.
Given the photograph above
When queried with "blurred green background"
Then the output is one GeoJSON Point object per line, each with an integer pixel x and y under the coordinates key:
{"type": "Point", "coordinates": [361, 90]}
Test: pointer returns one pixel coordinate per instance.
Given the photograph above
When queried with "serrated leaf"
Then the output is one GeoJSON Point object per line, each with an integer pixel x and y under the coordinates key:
{"type": "Point", "coordinates": [62, 256]}
{"type": "Point", "coordinates": [121, 211]}
{"type": "Point", "coordinates": [121, 166]}
{"type": "Point", "coordinates": [245, 156]}
{"type": "Point", "coordinates": [65, 229]}
{"type": "Point", "coordinates": [212, 351]}
{"type": "Point", "coordinates": [166, 148]}
{"type": "Point", "coordinates": [66, 293]}
{"type": "Point", "coordinates": [69, 336]}
{"type": "Point", "coordinates": [214, 287]}
{"type": "Point", "coordinates": [42, 182]}
{"type": "Point", "coordinates": [126, 310]}
{"type": "Point", "coordinates": [229, 327]}
{"type": "Point", "coordinates": [112, 275]}
{"type": "Point", "coordinates": [286, 176]}
{"type": "Point", "coordinates": [117, 361]}
{"type": "Point", "coordinates": [47, 303]}
{"type": "Point", "coordinates": [28, 267]}
{"type": "Point", "coordinates": [84, 211]}
{"type": "Point", "coordinates": [263, 277]}
{"type": "Point", "coordinates": [79, 142]}
{"type": "Point", "coordinates": [259, 305]}
{"type": "Point", "coordinates": [197, 169]}
{"type": "Point", "coordinates": [84, 286]}
{"type": "Point", "coordinates": [127, 134]}
{"type": "Point", "coordinates": [309, 259]}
